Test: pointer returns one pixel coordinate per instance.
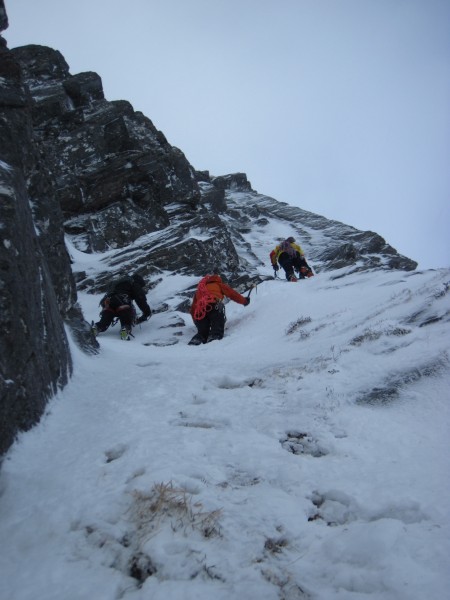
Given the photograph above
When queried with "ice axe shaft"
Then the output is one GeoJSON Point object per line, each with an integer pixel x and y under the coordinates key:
{"type": "Point", "coordinates": [251, 289]}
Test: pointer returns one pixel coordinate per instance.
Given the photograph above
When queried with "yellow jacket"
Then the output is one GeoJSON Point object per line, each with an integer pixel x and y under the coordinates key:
{"type": "Point", "coordinates": [279, 250]}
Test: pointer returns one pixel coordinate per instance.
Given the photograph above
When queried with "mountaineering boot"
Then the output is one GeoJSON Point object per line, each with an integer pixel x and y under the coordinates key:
{"type": "Point", "coordinates": [196, 340]}
{"type": "Point", "coordinates": [293, 278]}
{"type": "Point", "coordinates": [213, 337]}
{"type": "Point", "coordinates": [125, 334]}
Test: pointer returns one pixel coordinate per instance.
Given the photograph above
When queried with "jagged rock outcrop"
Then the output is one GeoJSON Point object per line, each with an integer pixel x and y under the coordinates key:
{"type": "Point", "coordinates": [115, 171]}
{"type": "Point", "coordinates": [330, 244]}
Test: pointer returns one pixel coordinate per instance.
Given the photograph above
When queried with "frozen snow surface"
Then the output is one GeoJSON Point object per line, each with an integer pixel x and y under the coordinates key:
{"type": "Point", "coordinates": [304, 456]}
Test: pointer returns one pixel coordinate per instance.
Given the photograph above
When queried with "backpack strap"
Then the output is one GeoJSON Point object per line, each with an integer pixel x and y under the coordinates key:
{"type": "Point", "coordinates": [286, 247]}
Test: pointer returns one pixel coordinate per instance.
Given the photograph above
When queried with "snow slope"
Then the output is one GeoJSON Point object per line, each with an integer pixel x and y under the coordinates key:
{"type": "Point", "coordinates": [303, 456]}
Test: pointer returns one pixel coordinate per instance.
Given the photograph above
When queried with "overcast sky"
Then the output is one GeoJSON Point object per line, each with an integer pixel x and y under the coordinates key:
{"type": "Point", "coordinates": [341, 107]}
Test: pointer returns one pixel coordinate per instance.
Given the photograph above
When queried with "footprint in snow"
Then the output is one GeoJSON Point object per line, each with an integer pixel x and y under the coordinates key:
{"type": "Point", "coordinates": [298, 442]}
{"type": "Point", "coordinates": [116, 452]}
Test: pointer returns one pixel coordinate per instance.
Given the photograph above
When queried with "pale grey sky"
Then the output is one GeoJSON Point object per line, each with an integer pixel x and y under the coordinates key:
{"type": "Point", "coordinates": [341, 107]}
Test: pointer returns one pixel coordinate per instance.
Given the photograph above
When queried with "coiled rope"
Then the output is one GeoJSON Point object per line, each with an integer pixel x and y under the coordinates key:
{"type": "Point", "coordinates": [205, 300]}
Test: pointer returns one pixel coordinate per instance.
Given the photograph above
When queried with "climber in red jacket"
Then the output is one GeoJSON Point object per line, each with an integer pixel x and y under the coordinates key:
{"type": "Point", "coordinates": [208, 309]}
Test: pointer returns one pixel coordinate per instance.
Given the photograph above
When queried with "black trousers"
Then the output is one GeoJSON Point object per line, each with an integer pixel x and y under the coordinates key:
{"type": "Point", "coordinates": [212, 326]}
{"type": "Point", "coordinates": [289, 263]}
{"type": "Point", "coordinates": [117, 307]}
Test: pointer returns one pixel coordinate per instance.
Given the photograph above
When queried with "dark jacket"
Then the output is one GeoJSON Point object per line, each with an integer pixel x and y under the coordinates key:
{"type": "Point", "coordinates": [128, 287]}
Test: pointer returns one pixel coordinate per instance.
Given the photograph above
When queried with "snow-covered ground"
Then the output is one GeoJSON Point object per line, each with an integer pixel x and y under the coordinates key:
{"type": "Point", "coordinates": [303, 456]}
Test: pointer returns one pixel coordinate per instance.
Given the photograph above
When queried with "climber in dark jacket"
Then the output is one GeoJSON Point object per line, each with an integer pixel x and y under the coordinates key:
{"type": "Point", "coordinates": [118, 303]}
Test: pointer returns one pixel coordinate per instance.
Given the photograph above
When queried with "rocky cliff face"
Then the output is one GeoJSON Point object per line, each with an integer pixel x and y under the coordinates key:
{"type": "Point", "coordinates": [115, 172]}
{"type": "Point", "coordinates": [74, 165]}
{"type": "Point", "coordinates": [119, 180]}
{"type": "Point", "coordinates": [37, 287]}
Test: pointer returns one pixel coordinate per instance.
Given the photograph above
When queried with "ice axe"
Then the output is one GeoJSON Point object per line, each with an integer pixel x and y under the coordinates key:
{"type": "Point", "coordinates": [255, 285]}
{"type": "Point", "coordinates": [251, 289]}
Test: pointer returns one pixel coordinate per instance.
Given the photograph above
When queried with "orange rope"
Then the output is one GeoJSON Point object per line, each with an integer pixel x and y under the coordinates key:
{"type": "Point", "coordinates": [204, 300]}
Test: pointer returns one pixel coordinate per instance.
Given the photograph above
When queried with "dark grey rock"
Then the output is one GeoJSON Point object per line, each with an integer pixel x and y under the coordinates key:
{"type": "Point", "coordinates": [41, 64]}
{"type": "Point", "coordinates": [84, 88]}
{"type": "Point", "coordinates": [3, 16]}
{"type": "Point", "coordinates": [34, 355]}
{"type": "Point", "coordinates": [233, 181]}
{"type": "Point", "coordinates": [37, 287]}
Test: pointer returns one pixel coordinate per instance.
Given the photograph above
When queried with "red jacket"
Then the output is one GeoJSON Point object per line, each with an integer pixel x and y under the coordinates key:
{"type": "Point", "coordinates": [212, 289]}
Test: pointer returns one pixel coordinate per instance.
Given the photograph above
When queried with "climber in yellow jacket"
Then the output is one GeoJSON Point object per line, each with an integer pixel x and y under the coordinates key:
{"type": "Point", "coordinates": [290, 256]}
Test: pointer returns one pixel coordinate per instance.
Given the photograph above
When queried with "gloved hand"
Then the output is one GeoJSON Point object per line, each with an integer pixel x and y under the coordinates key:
{"type": "Point", "coordinates": [276, 268]}
{"type": "Point", "coordinates": [247, 302]}
{"type": "Point", "coordinates": [141, 319]}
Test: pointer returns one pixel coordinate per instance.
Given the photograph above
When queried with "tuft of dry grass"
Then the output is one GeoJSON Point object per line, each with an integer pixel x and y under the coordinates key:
{"type": "Point", "coordinates": [166, 502]}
